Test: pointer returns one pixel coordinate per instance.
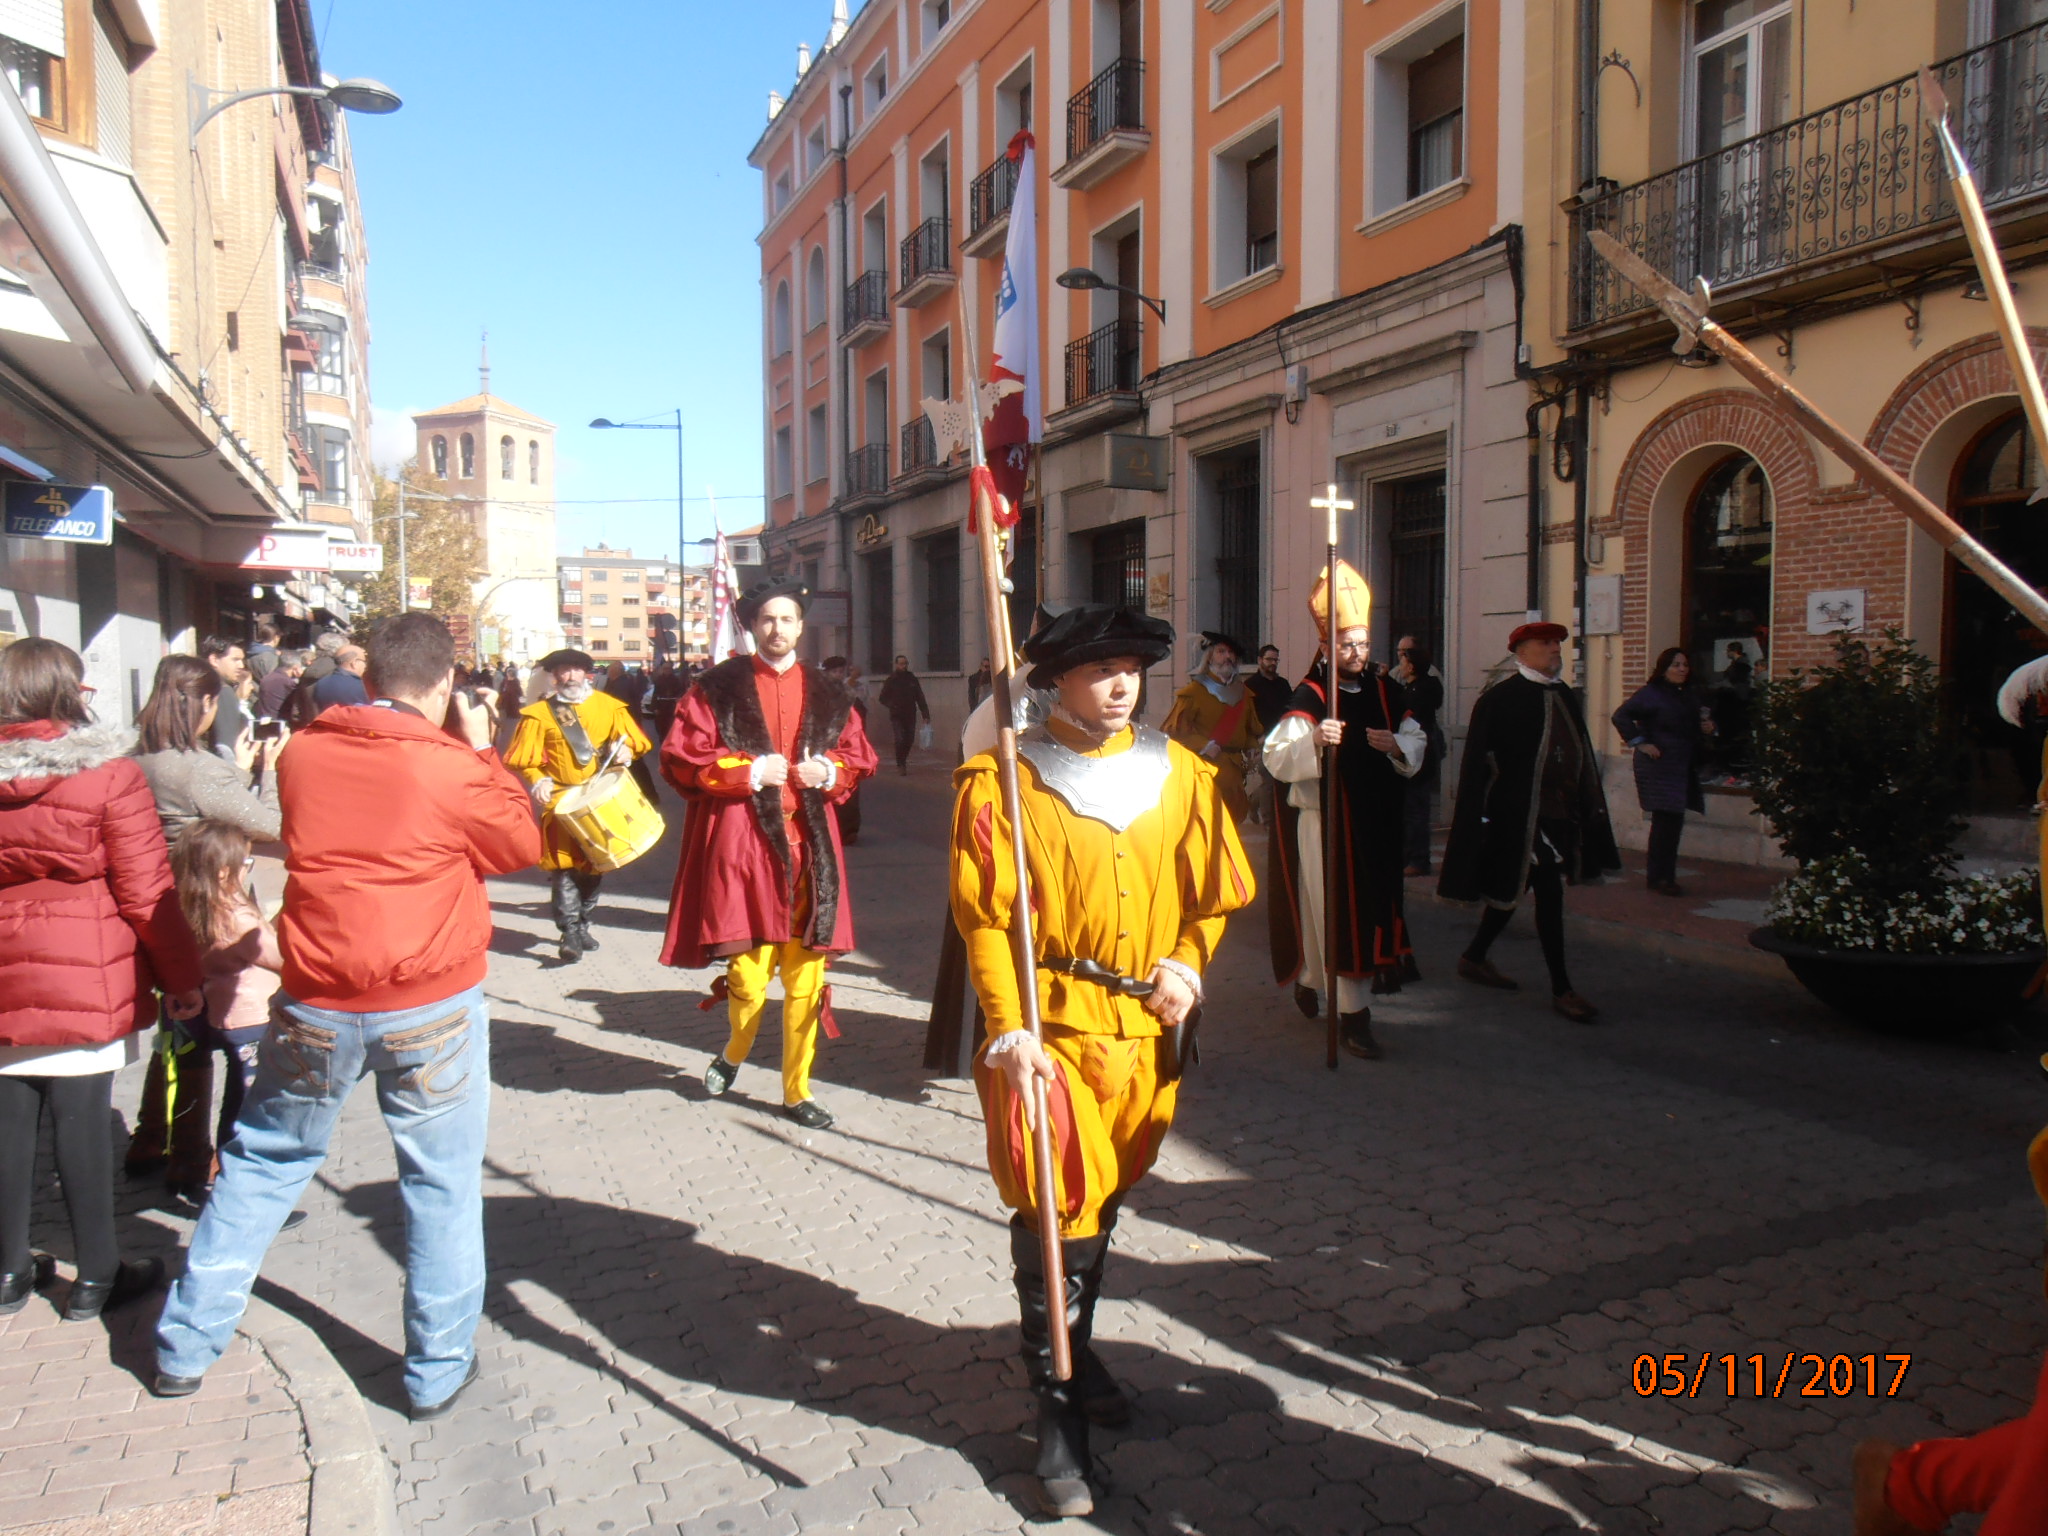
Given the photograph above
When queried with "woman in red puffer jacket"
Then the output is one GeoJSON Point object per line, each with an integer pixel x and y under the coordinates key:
{"type": "Point", "coordinates": [89, 928]}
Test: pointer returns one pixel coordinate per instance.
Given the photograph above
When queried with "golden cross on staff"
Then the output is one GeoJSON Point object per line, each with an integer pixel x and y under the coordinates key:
{"type": "Point", "coordinates": [1330, 502]}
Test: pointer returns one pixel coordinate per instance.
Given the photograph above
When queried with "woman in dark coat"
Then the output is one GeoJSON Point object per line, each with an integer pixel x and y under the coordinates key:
{"type": "Point", "coordinates": [1661, 721]}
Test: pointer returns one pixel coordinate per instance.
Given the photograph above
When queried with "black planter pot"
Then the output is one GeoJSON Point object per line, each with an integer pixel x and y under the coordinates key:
{"type": "Point", "coordinates": [1915, 994]}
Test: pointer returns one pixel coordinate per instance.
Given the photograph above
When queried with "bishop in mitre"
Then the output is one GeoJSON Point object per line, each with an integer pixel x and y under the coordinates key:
{"type": "Point", "coordinates": [1380, 746]}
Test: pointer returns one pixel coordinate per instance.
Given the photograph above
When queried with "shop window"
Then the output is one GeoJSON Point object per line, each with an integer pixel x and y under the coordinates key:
{"type": "Point", "coordinates": [1728, 603]}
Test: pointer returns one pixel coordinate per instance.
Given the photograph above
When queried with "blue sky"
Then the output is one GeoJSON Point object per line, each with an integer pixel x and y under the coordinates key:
{"type": "Point", "coordinates": [574, 178]}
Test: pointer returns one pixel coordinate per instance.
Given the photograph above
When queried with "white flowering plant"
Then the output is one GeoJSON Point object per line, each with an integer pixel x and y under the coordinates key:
{"type": "Point", "coordinates": [1831, 904]}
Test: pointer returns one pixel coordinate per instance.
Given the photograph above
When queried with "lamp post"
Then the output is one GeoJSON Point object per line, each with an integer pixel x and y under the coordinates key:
{"type": "Point", "coordinates": [602, 424]}
{"type": "Point", "coordinates": [359, 95]}
{"type": "Point", "coordinates": [1083, 279]}
{"type": "Point", "coordinates": [401, 517]}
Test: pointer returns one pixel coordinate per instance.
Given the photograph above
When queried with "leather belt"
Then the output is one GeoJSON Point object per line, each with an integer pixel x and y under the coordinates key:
{"type": "Point", "coordinates": [1100, 974]}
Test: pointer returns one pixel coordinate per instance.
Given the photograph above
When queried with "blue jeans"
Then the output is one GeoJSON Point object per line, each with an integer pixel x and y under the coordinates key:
{"type": "Point", "coordinates": [433, 1067]}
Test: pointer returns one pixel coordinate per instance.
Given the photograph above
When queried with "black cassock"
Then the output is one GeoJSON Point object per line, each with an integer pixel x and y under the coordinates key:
{"type": "Point", "coordinates": [1372, 932]}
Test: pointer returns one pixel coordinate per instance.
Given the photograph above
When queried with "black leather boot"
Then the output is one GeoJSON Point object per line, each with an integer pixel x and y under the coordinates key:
{"type": "Point", "coordinates": [1355, 1029]}
{"type": "Point", "coordinates": [1063, 1461]}
{"type": "Point", "coordinates": [567, 903]}
{"type": "Point", "coordinates": [1100, 1398]}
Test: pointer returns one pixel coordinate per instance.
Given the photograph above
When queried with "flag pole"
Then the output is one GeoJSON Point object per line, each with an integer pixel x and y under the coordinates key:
{"type": "Point", "coordinates": [1003, 663]}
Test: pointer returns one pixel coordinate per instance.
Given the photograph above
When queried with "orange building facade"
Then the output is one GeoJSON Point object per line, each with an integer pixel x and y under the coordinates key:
{"type": "Point", "coordinates": [1315, 207]}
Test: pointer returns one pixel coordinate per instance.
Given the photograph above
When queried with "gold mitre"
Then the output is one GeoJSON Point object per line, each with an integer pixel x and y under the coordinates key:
{"type": "Point", "coordinates": [1354, 599]}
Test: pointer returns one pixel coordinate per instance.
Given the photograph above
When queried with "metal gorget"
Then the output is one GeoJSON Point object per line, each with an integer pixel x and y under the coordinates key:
{"type": "Point", "coordinates": [1116, 790]}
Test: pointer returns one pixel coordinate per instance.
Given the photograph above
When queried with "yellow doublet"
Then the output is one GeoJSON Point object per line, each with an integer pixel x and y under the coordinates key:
{"type": "Point", "coordinates": [539, 751]}
{"type": "Point", "coordinates": [1161, 888]}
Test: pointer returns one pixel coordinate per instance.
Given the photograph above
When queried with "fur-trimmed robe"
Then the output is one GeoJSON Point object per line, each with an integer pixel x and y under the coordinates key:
{"type": "Point", "coordinates": [736, 881]}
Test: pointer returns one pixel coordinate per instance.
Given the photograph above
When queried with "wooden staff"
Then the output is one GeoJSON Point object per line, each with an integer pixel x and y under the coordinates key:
{"type": "Point", "coordinates": [1989, 267]}
{"type": "Point", "coordinates": [1003, 666]}
{"type": "Point", "coordinates": [1689, 313]}
{"type": "Point", "coordinates": [1331, 786]}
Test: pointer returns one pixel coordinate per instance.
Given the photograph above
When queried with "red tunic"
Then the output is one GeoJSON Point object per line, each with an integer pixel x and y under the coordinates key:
{"type": "Point", "coordinates": [729, 892]}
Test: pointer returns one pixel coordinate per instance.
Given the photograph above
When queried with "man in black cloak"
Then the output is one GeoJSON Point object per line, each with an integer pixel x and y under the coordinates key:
{"type": "Point", "coordinates": [1531, 813]}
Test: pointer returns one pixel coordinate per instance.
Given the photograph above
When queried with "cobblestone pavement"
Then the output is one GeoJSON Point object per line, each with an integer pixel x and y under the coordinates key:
{"type": "Point", "coordinates": [1403, 1296]}
{"type": "Point", "coordinates": [85, 1451]}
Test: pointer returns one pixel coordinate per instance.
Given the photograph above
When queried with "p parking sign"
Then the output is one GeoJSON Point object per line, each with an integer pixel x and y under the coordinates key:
{"type": "Point", "coordinates": [70, 514]}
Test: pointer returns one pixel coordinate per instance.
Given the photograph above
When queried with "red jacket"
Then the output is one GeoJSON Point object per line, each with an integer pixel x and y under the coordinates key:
{"type": "Point", "coordinates": [745, 853]}
{"type": "Point", "coordinates": [390, 827]}
{"type": "Point", "coordinates": [89, 919]}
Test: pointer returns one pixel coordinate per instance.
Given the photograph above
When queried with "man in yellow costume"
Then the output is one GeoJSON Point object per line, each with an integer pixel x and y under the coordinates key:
{"type": "Point", "coordinates": [562, 740]}
{"type": "Point", "coordinates": [1216, 717]}
{"type": "Point", "coordinates": [1134, 864]}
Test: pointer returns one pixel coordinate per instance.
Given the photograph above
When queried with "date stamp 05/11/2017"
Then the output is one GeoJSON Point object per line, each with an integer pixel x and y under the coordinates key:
{"type": "Point", "coordinates": [1788, 1375]}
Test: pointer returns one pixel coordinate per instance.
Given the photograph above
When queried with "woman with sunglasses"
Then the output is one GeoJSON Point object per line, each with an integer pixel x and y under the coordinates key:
{"type": "Point", "coordinates": [89, 928]}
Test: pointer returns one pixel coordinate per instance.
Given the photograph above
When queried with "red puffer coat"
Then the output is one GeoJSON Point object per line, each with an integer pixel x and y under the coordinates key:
{"type": "Point", "coordinates": [89, 918]}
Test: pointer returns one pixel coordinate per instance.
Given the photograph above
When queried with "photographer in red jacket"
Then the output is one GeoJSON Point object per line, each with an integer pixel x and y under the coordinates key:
{"type": "Point", "coordinates": [395, 811]}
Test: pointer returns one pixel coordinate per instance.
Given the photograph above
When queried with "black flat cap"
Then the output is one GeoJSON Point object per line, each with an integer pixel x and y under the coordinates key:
{"type": "Point", "coordinates": [760, 592]}
{"type": "Point", "coordinates": [1095, 632]}
{"type": "Point", "coordinates": [1211, 638]}
{"type": "Point", "coordinates": [554, 661]}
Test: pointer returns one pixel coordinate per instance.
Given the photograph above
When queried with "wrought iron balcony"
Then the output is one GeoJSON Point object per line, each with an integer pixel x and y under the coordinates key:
{"type": "Point", "coordinates": [1801, 210]}
{"type": "Point", "coordinates": [988, 207]}
{"type": "Point", "coordinates": [1105, 125]}
{"type": "Point", "coordinates": [1103, 362]}
{"type": "Point", "coordinates": [865, 312]}
{"type": "Point", "coordinates": [867, 472]}
{"type": "Point", "coordinates": [926, 262]}
{"type": "Point", "coordinates": [919, 455]}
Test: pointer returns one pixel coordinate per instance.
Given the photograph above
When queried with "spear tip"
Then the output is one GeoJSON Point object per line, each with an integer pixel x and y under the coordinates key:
{"type": "Point", "coordinates": [1932, 96]}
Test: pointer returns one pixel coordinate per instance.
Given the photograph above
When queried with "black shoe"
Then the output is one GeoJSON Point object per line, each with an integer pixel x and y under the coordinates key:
{"type": "Point", "coordinates": [719, 1075]}
{"type": "Point", "coordinates": [1355, 1030]}
{"type": "Point", "coordinates": [587, 939]}
{"type": "Point", "coordinates": [293, 1222]}
{"type": "Point", "coordinates": [166, 1385]}
{"type": "Point", "coordinates": [89, 1298]}
{"type": "Point", "coordinates": [810, 1114]}
{"type": "Point", "coordinates": [1306, 1000]}
{"type": "Point", "coordinates": [16, 1286]}
{"type": "Point", "coordinates": [570, 942]}
{"type": "Point", "coordinates": [422, 1413]}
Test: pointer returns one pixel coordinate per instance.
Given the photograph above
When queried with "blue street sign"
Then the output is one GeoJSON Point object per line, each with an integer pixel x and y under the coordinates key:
{"type": "Point", "coordinates": [75, 514]}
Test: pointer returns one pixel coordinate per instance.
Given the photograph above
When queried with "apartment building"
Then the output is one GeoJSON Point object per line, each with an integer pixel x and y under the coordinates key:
{"type": "Point", "coordinates": [1782, 151]}
{"type": "Point", "coordinates": [1311, 210]}
{"type": "Point", "coordinates": [641, 611]}
{"type": "Point", "coordinates": [182, 321]}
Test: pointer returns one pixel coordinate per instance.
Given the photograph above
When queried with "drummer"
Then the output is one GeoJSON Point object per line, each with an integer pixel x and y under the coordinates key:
{"type": "Point", "coordinates": [567, 738]}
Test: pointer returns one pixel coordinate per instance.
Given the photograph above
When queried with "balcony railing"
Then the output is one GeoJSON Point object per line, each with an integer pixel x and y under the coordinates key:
{"type": "Point", "coordinates": [1103, 362]}
{"type": "Point", "coordinates": [1114, 99]}
{"type": "Point", "coordinates": [867, 301]}
{"type": "Point", "coordinates": [990, 195]}
{"type": "Point", "coordinates": [1864, 171]}
{"type": "Point", "coordinates": [920, 447]}
{"type": "Point", "coordinates": [867, 470]}
{"type": "Point", "coordinates": [927, 251]}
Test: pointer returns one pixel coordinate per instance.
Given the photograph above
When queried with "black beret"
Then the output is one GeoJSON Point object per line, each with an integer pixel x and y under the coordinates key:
{"type": "Point", "coordinates": [1211, 638]}
{"type": "Point", "coordinates": [1095, 632]}
{"type": "Point", "coordinates": [554, 661]}
{"type": "Point", "coordinates": [760, 592]}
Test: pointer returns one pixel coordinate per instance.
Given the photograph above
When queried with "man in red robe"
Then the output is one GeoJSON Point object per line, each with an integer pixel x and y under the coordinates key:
{"type": "Point", "coordinates": [760, 747]}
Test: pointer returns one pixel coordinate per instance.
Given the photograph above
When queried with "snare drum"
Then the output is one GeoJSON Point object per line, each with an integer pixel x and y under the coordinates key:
{"type": "Point", "coordinates": [610, 820]}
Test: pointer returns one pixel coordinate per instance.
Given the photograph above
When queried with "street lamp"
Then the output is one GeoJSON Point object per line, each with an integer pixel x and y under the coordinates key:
{"type": "Point", "coordinates": [602, 424]}
{"type": "Point", "coordinates": [1084, 279]}
{"type": "Point", "coordinates": [358, 95]}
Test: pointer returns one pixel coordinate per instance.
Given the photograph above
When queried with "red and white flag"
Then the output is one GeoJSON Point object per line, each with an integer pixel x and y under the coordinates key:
{"type": "Point", "coordinates": [728, 637]}
{"type": "Point", "coordinates": [1019, 416]}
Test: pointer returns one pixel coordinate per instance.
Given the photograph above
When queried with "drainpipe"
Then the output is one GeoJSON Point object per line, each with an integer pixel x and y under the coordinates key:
{"type": "Point", "coordinates": [1587, 20]}
{"type": "Point", "coordinates": [845, 357]}
{"type": "Point", "coordinates": [1582, 482]}
{"type": "Point", "coordinates": [42, 204]}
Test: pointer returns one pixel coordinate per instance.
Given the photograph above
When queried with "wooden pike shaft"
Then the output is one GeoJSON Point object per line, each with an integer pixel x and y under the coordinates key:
{"type": "Point", "coordinates": [1869, 468]}
{"type": "Point", "coordinates": [1003, 665]}
{"type": "Point", "coordinates": [1332, 790]}
{"type": "Point", "coordinates": [1990, 267]}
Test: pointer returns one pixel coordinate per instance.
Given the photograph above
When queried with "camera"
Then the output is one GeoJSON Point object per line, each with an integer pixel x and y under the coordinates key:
{"type": "Point", "coordinates": [266, 728]}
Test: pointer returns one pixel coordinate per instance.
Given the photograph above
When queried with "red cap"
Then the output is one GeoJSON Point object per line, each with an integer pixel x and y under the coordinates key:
{"type": "Point", "coordinates": [1538, 632]}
